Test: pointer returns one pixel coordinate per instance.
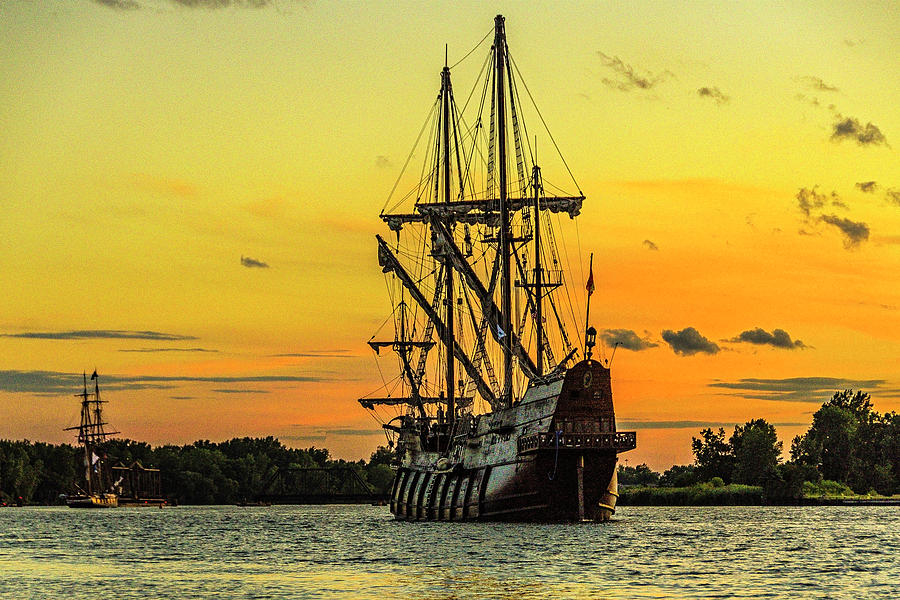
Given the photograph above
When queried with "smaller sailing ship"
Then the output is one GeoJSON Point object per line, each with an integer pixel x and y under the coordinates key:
{"type": "Point", "coordinates": [97, 490]}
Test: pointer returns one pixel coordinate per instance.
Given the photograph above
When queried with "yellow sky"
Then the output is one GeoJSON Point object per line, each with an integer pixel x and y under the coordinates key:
{"type": "Point", "coordinates": [149, 145]}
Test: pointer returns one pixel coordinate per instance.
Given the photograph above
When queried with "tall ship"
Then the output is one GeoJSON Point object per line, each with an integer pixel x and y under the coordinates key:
{"type": "Point", "coordinates": [499, 409]}
{"type": "Point", "coordinates": [107, 483]}
{"type": "Point", "coordinates": [96, 490]}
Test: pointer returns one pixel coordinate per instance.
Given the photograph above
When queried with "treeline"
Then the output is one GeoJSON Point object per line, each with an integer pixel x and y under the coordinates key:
{"type": "Point", "coordinates": [849, 448]}
{"type": "Point", "coordinates": [200, 473]}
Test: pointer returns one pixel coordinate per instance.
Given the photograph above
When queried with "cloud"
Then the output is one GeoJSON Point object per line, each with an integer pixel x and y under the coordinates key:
{"type": "Point", "coordinates": [232, 391]}
{"type": "Point", "coordinates": [713, 93]}
{"type": "Point", "coordinates": [854, 232]}
{"type": "Point", "coordinates": [808, 99]}
{"type": "Point", "coordinates": [809, 200]}
{"type": "Point", "coordinates": [314, 433]}
{"type": "Point", "coordinates": [779, 338]}
{"type": "Point", "coordinates": [55, 383]}
{"type": "Point", "coordinates": [208, 4]}
{"type": "Point", "coordinates": [383, 162]}
{"type": "Point", "coordinates": [867, 187]}
{"type": "Point", "coordinates": [815, 83]}
{"type": "Point", "coordinates": [316, 354]}
{"type": "Point", "coordinates": [628, 79]}
{"type": "Point", "coordinates": [840, 204]}
{"type": "Point", "coordinates": [100, 334]}
{"type": "Point", "coordinates": [688, 341]}
{"type": "Point", "coordinates": [252, 263]}
{"type": "Point", "coordinates": [851, 129]}
{"type": "Point", "coordinates": [650, 245]}
{"type": "Point", "coordinates": [893, 195]}
{"type": "Point", "coordinates": [120, 4]}
{"type": "Point", "coordinates": [796, 389]}
{"type": "Point", "coordinates": [167, 350]}
{"type": "Point", "coordinates": [627, 339]}
{"type": "Point", "coordinates": [625, 425]}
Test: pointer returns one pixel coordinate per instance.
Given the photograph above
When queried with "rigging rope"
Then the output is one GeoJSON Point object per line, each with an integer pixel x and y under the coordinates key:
{"type": "Point", "coordinates": [547, 129]}
{"type": "Point", "coordinates": [469, 53]}
{"type": "Point", "coordinates": [428, 118]}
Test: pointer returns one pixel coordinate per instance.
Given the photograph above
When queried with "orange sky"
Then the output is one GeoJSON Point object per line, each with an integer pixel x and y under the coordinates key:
{"type": "Point", "coordinates": [739, 161]}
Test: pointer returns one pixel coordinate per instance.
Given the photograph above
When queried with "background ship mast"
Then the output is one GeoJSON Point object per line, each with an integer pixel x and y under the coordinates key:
{"type": "Point", "coordinates": [92, 433]}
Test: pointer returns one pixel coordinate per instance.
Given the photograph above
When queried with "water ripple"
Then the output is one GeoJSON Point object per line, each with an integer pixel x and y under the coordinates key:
{"type": "Point", "coordinates": [350, 552]}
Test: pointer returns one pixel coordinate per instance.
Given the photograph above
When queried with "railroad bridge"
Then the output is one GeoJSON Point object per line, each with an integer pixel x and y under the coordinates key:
{"type": "Point", "coordinates": [317, 485]}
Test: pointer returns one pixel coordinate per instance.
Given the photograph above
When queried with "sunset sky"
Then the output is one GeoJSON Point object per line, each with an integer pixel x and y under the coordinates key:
{"type": "Point", "coordinates": [189, 193]}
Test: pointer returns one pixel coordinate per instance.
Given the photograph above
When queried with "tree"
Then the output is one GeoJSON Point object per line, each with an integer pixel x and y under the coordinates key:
{"type": "Point", "coordinates": [713, 456]}
{"type": "Point", "coordinates": [756, 450]}
{"type": "Point", "coordinates": [679, 476]}
{"type": "Point", "coordinates": [382, 456]}
{"type": "Point", "coordinates": [639, 475]}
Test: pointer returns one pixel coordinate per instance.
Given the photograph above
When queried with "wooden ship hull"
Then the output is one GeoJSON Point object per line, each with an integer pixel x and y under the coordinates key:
{"type": "Point", "coordinates": [550, 458]}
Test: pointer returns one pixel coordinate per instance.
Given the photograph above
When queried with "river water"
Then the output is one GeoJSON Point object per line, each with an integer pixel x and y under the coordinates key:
{"type": "Point", "coordinates": [352, 552]}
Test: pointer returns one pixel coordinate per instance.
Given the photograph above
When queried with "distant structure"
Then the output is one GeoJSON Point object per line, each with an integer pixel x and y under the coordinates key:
{"type": "Point", "coordinates": [136, 485]}
{"type": "Point", "coordinates": [317, 485]}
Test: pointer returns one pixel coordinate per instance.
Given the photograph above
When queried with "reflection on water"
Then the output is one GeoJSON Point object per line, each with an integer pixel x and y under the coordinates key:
{"type": "Point", "coordinates": [351, 552]}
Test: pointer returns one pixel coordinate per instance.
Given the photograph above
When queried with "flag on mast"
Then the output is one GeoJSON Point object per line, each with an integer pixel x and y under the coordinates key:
{"type": "Point", "coordinates": [590, 281]}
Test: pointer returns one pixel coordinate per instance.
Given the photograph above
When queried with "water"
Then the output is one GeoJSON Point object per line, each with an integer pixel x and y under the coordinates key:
{"type": "Point", "coordinates": [351, 552]}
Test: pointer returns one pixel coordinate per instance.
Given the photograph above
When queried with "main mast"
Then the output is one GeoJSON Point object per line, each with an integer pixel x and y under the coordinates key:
{"type": "Point", "coordinates": [505, 233]}
{"type": "Point", "coordinates": [448, 284]}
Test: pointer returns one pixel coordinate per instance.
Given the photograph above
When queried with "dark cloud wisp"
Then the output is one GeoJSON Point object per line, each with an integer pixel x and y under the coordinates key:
{"type": "Point", "coordinates": [627, 78]}
{"type": "Point", "coordinates": [851, 129]}
{"type": "Point", "coordinates": [713, 93]}
{"type": "Point", "coordinates": [779, 338]}
{"type": "Point", "coordinates": [867, 187]}
{"type": "Point", "coordinates": [855, 232]}
{"type": "Point", "coordinates": [103, 334]}
{"type": "Point", "coordinates": [688, 342]}
{"type": "Point", "coordinates": [626, 338]}
{"type": "Point", "coordinates": [795, 389]}
{"type": "Point", "coordinates": [893, 196]}
{"type": "Point", "coordinates": [207, 4]}
{"type": "Point", "coordinates": [252, 263]}
{"type": "Point", "coordinates": [152, 350]}
{"type": "Point", "coordinates": [816, 83]}
{"type": "Point", "coordinates": [56, 383]}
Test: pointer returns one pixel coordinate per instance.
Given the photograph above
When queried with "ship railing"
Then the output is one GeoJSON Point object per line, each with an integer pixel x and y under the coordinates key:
{"type": "Point", "coordinates": [619, 441]}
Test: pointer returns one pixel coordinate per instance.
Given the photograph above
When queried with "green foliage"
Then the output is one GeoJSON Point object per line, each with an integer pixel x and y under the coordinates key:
{"type": "Point", "coordinates": [756, 451]}
{"type": "Point", "coordinates": [716, 482]}
{"type": "Point", "coordinates": [639, 475]}
{"type": "Point", "coordinates": [713, 456]}
{"type": "Point", "coordinates": [850, 443]}
{"type": "Point", "coordinates": [826, 488]}
{"type": "Point", "coordinates": [701, 494]}
{"type": "Point", "coordinates": [200, 473]}
{"type": "Point", "coordinates": [679, 476]}
{"type": "Point", "coordinates": [380, 477]}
